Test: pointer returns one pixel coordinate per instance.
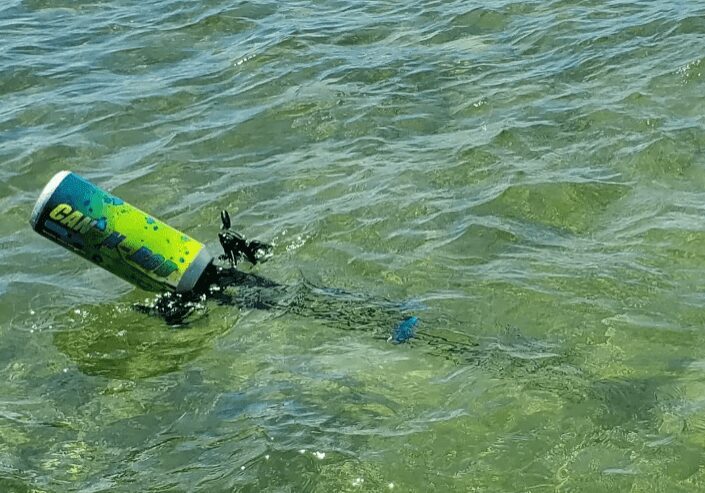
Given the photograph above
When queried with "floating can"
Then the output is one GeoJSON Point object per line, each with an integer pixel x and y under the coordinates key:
{"type": "Point", "coordinates": [122, 239]}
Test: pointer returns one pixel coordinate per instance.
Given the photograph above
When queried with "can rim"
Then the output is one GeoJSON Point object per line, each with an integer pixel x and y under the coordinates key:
{"type": "Point", "coordinates": [193, 272]}
{"type": "Point", "coordinates": [44, 197]}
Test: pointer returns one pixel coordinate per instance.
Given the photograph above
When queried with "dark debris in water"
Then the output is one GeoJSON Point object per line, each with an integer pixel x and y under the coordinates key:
{"type": "Point", "coordinates": [386, 319]}
{"type": "Point", "coordinates": [174, 308]}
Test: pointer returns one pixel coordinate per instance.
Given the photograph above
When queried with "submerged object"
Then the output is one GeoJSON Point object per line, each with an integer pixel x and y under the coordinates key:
{"type": "Point", "coordinates": [117, 236]}
{"type": "Point", "coordinates": [404, 331]}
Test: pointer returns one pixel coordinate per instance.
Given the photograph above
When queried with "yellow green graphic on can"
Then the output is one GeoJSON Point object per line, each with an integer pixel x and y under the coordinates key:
{"type": "Point", "coordinates": [117, 236]}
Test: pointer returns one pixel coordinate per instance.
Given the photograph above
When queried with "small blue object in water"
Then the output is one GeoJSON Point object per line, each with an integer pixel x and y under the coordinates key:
{"type": "Point", "coordinates": [404, 330]}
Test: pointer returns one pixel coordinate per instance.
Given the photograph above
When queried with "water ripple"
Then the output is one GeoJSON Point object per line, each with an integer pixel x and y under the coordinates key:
{"type": "Point", "coordinates": [531, 172]}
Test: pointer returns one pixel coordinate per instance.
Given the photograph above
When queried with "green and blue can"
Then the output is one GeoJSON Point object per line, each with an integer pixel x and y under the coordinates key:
{"type": "Point", "coordinates": [122, 239]}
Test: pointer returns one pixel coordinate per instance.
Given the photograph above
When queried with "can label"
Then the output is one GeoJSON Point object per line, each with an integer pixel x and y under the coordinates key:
{"type": "Point", "coordinates": [115, 235]}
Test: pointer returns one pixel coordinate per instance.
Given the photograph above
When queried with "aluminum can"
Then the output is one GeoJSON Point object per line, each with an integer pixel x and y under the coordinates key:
{"type": "Point", "coordinates": [117, 236]}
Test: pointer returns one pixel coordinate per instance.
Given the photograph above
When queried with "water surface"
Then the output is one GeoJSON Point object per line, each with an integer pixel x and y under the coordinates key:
{"type": "Point", "coordinates": [528, 175]}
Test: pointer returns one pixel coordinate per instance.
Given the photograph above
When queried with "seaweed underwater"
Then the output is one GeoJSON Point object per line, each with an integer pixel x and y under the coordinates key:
{"type": "Point", "coordinates": [542, 366]}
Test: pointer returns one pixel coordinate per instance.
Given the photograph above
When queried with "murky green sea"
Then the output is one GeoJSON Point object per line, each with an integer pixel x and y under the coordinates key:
{"type": "Point", "coordinates": [527, 177]}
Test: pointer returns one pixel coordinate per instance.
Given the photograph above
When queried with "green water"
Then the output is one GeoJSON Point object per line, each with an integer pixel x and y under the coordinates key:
{"type": "Point", "coordinates": [529, 174]}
